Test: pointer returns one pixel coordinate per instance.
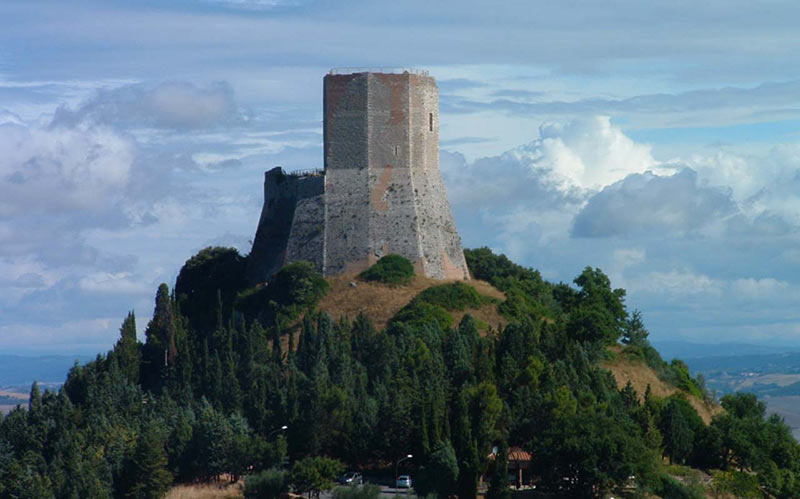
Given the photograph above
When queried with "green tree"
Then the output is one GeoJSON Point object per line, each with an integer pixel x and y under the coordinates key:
{"type": "Point", "coordinates": [127, 352]}
{"type": "Point", "coordinates": [311, 475]}
{"type": "Point", "coordinates": [160, 348]}
{"type": "Point", "coordinates": [440, 474]}
{"type": "Point", "coordinates": [149, 477]}
{"type": "Point", "coordinates": [634, 333]}
{"type": "Point", "coordinates": [498, 486]}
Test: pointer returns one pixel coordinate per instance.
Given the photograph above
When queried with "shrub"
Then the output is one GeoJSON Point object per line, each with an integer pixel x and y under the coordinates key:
{"type": "Point", "coordinates": [673, 489]}
{"type": "Point", "coordinates": [269, 484]}
{"type": "Point", "coordinates": [296, 287]}
{"type": "Point", "coordinates": [418, 313]}
{"type": "Point", "coordinates": [453, 296]}
{"type": "Point", "coordinates": [298, 284]}
{"type": "Point", "coordinates": [366, 491]}
{"type": "Point", "coordinates": [394, 270]}
{"type": "Point", "coordinates": [314, 474]}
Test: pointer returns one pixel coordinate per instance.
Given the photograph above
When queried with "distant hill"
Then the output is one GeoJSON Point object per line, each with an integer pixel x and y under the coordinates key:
{"type": "Point", "coordinates": [21, 371]}
{"type": "Point", "coordinates": [672, 349]}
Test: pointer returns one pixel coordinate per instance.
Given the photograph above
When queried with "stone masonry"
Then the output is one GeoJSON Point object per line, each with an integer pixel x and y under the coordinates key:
{"type": "Point", "coordinates": [381, 191]}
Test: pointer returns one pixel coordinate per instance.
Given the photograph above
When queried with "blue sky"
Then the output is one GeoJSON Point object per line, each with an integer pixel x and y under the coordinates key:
{"type": "Point", "coordinates": [659, 141]}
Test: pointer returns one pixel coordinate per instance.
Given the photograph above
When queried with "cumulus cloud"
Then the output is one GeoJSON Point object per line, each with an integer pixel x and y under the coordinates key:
{"type": "Point", "coordinates": [83, 192]}
{"type": "Point", "coordinates": [648, 203]}
{"type": "Point", "coordinates": [58, 170]}
{"type": "Point", "coordinates": [587, 153]}
{"type": "Point", "coordinates": [175, 104]}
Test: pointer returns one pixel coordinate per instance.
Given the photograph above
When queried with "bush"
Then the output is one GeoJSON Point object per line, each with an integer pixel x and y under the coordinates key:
{"type": "Point", "coordinates": [394, 270]}
{"type": "Point", "coordinates": [314, 474]}
{"type": "Point", "coordinates": [453, 296]}
{"type": "Point", "coordinates": [418, 313]}
{"type": "Point", "coordinates": [527, 294]}
{"type": "Point", "coordinates": [296, 287]}
{"type": "Point", "coordinates": [268, 484]}
{"type": "Point", "coordinates": [670, 488]}
{"type": "Point", "coordinates": [366, 491]}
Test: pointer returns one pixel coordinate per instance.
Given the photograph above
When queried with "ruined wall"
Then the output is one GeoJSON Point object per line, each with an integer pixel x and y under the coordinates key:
{"type": "Point", "coordinates": [291, 224]}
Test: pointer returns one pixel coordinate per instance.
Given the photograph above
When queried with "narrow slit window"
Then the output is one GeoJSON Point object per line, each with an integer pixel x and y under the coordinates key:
{"type": "Point", "coordinates": [430, 122]}
{"type": "Point", "coordinates": [395, 150]}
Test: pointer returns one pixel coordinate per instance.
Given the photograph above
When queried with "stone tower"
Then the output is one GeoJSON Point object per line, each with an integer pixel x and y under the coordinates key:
{"type": "Point", "coordinates": [381, 191]}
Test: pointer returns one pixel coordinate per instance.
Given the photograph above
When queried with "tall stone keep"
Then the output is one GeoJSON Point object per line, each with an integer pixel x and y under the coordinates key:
{"type": "Point", "coordinates": [380, 192]}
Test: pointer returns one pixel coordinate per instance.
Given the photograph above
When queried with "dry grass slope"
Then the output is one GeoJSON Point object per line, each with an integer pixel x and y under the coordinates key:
{"type": "Point", "coordinates": [381, 302]}
{"type": "Point", "coordinates": [640, 375]}
{"type": "Point", "coordinates": [207, 491]}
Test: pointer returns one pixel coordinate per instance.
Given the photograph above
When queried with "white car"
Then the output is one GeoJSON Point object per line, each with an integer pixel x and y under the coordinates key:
{"type": "Point", "coordinates": [351, 478]}
{"type": "Point", "coordinates": [403, 482]}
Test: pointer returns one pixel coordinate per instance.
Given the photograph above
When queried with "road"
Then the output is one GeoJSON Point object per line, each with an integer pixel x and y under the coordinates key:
{"type": "Point", "coordinates": [386, 491]}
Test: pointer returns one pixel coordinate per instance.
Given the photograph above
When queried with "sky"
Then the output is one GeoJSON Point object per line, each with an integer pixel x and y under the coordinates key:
{"type": "Point", "coordinates": [658, 141]}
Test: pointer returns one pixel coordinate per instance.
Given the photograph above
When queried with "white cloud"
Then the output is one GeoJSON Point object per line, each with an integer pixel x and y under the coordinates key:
{"type": "Point", "coordinates": [677, 284]}
{"type": "Point", "coordinates": [760, 289]}
{"type": "Point", "coordinates": [57, 170]}
{"type": "Point", "coordinates": [587, 153]}
{"type": "Point", "coordinates": [173, 104]}
{"type": "Point", "coordinates": [648, 203]}
{"type": "Point", "coordinates": [116, 283]}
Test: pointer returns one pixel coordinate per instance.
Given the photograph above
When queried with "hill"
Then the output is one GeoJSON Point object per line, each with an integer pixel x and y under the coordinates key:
{"type": "Point", "coordinates": [348, 296]}
{"type": "Point", "coordinates": [292, 380]}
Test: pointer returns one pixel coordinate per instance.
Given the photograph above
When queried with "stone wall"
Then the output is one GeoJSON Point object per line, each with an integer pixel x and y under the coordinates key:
{"type": "Point", "coordinates": [286, 198]}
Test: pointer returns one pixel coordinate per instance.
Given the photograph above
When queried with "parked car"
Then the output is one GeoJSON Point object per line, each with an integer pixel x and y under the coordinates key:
{"type": "Point", "coordinates": [403, 482]}
{"type": "Point", "coordinates": [351, 478]}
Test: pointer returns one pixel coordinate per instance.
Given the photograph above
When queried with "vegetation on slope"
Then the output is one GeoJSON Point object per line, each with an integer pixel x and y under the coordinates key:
{"type": "Point", "coordinates": [209, 392]}
{"type": "Point", "coordinates": [394, 270]}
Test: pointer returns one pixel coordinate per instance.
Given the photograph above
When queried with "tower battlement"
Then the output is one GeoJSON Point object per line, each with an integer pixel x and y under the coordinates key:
{"type": "Point", "coordinates": [381, 192]}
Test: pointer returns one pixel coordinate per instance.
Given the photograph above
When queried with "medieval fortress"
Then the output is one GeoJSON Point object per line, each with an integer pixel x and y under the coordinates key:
{"type": "Point", "coordinates": [380, 192]}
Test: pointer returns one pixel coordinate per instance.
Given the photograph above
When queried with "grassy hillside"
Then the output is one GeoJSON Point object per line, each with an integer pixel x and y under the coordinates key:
{"type": "Point", "coordinates": [627, 369]}
{"type": "Point", "coordinates": [349, 297]}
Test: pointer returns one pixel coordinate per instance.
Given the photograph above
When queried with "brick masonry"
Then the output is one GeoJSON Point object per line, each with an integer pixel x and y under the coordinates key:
{"type": "Point", "coordinates": [381, 191]}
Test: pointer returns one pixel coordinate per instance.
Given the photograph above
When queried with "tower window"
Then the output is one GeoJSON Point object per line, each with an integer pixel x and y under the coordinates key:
{"type": "Point", "coordinates": [430, 122]}
{"type": "Point", "coordinates": [395, 150]}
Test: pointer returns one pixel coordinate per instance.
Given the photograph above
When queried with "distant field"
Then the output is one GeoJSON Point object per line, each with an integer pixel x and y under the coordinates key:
{"type": "Point", "coordinates": [769, 379]}
{"type": "Point", "coordinates": [10, 399]}
{"type": "Point", "coordinates": [788, 408]}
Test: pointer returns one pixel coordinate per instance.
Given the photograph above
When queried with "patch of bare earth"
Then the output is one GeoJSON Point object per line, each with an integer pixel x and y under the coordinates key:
{"type": "Point", "coordinates": [380, 302]}
{"type": "Point", "coordinates": [640, 375]}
